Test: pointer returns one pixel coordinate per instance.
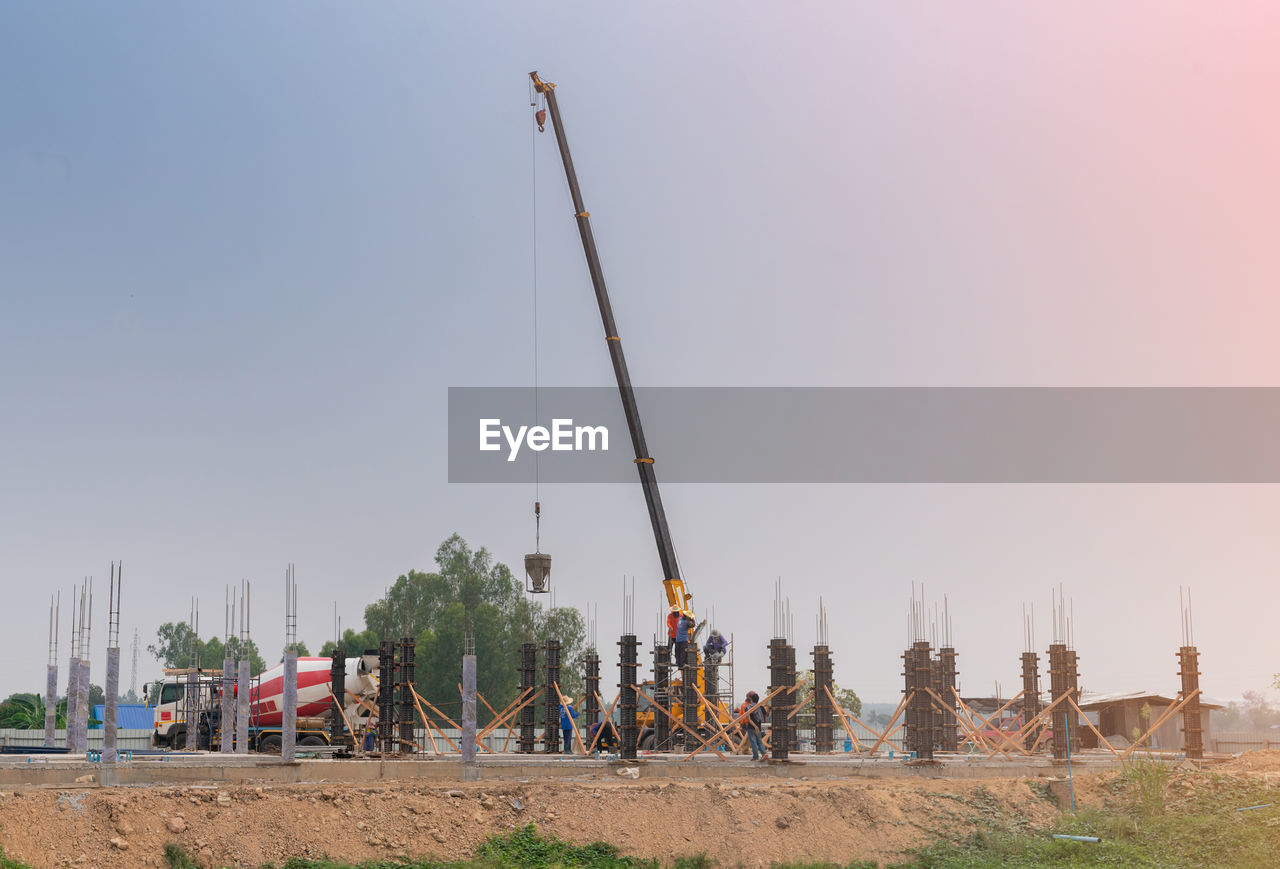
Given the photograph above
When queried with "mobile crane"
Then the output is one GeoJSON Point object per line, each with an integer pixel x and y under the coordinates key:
{"type": "Point", "coordinates": [677, 595]}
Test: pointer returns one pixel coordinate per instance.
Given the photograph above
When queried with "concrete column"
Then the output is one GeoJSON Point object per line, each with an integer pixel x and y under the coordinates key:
{"type": "Point", "coordinates": [73, 699]}
{"type": "Point", "coordinates": [469, 770]}
{"type": "Point", "coordinates": [242, 708]}
{"type": "Point", "coordinates": [289, 734]}
{"type": "Point", "coordinates": [112, 691]}
{"type": "Point", "coordinates": [191, 703]}
{"type": "Point", "coordinates": [50, 705]}
{"type": "Point", "coordinates": [228, 716]}
{"type": "Point", "coordinates": [82, 708]}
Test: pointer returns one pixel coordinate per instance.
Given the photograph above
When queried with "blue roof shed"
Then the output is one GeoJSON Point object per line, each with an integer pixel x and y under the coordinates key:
{"type": "Point", "coordinates": [129, 716]}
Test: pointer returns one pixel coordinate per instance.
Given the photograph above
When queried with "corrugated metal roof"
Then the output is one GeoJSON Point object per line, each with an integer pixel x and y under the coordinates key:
{"type": "Point", "coordinates": [1093, 699]}
{"type": "Point", "coordinates": [129, 716]}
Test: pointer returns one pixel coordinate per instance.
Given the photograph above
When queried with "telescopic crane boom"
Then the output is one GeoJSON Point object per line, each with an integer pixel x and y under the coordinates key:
{"type": "Point", "coordinates": [677, 595]}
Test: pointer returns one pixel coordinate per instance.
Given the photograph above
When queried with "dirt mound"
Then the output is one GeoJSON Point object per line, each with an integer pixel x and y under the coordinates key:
{"type": "Point", "coordinates": [1254, 761]}
{"type": "Point", "coordinates": [751, 822]}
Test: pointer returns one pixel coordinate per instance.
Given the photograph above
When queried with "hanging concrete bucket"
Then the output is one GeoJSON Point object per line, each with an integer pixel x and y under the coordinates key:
{"type": "Point", "coordinates": [537, 569]}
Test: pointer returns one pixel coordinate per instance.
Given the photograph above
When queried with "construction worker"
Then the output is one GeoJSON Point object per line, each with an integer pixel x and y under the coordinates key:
{"type": "Point", "coordinates": [754, 723]}
{"type": "Point", "coordinates": [713, 651]}
{"type": "Point", "coordinates": [673, 623]}
{"type": "Point", "coordinates": [567, 714]}
{"type": "Point", "coordinates": [684, 632]}
{"type": "Point", "coordinates": [607, 740]}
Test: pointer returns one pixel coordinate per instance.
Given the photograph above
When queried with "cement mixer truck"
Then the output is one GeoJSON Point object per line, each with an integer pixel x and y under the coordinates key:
{"type": "Point", "coordinates": [266, 704]}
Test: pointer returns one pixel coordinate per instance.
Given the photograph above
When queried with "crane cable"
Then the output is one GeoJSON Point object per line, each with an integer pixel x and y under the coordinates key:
{"type": "Point", "coordinates": [537, 475]}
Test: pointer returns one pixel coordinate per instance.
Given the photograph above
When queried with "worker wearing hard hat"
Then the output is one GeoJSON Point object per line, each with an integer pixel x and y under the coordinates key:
{"type": "Point", "coordinates": [673, 623]}
{"type": "Point", "coordinates": [684, 632]}
{"type": "Point", "coordinates": [715, 648]}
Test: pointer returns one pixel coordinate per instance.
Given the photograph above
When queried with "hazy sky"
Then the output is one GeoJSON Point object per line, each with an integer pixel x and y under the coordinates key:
{"type": "Point", "coordinates": [246, 248]}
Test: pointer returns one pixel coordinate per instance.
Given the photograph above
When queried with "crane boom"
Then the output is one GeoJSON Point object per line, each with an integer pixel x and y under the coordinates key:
{"type": "Point", "coordinates": [676, 593]}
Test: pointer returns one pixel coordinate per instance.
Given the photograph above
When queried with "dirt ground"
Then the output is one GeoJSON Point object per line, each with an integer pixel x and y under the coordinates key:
{"type": "Point", "coordinates": [750, 822]}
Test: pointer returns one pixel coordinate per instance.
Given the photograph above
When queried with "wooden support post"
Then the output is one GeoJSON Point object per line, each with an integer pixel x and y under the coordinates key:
{"type": "Point", "coordinates": [1026, 728]}
{"type": "Point", "coordinates": [680, 724]}
{"type": "Point", "coordinates": [1089, 724]}
{"type": "Point", "coordinates": [885, 736]}
{"type": "Point", "coordinates": [608, 717]}
{"type": "Point", "coordinates": [426, 723]}
{"type": "Point", "coordinates": [499, 718]}
{"type": "Point", "coordinates": [844, 719]}
{"type": "Point", "coordinates": [723, 731]}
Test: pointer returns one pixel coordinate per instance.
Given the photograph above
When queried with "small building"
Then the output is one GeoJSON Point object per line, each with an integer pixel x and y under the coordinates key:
{"type": "Point", "coordinates": [129, 716]}
{"type": "Point", "coordinates": [1124, 713]}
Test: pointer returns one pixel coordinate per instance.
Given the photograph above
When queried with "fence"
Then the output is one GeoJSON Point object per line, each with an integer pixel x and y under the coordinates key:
{"type": "Point", "coordinates": [125, 739]}
{"type": "Point", "coordinates": [1233, 741]}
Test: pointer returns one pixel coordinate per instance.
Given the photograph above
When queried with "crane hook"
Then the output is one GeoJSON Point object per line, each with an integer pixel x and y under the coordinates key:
{"type": "Point", "coordinates": [541, 117]}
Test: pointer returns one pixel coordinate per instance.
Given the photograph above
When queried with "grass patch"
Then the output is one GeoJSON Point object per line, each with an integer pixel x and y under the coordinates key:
{"type": "Point", "coordinates": [1157, 817]}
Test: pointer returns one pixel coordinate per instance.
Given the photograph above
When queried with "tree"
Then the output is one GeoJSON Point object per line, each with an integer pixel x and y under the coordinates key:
{"type": "Point", "coordinates": [468, 594]}
{"type": "Point", "coordinates": [174, 643]}
{"type": "Point", "coordinates": [846, 699]}
{"type": "Point", "coordinates": [353, 644]}
{"type": "Point", "coordinates": [25, 712]}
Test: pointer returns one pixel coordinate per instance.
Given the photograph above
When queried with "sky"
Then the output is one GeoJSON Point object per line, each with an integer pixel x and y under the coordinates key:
{"type": "Point", "coordinates": [245, 249]}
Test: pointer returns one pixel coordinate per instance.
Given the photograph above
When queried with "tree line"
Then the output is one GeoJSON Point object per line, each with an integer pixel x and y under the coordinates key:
{"type": "Point", "coordinates": [469, 594]}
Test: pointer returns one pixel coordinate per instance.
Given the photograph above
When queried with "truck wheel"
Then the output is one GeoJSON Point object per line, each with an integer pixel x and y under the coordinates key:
{"type": "Point", "coordinates": [178, 738]}
{"type": "Point", "coordinates": [312, 740]}
{"type": "Point", "coordinates": [270, 744]}
{"type": "Point", "coordinates": [646, 742]}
